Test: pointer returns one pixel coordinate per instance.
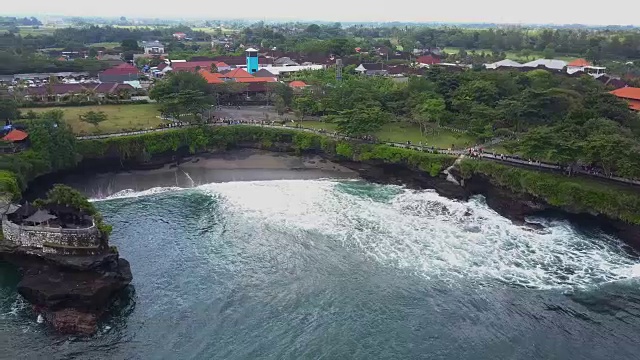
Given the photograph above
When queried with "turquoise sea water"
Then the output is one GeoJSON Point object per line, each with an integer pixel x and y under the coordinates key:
{"type": "Point", "coordinates": [323, 269]}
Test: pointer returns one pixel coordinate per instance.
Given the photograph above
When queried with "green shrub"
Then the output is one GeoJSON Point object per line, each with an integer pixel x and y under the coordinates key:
{"type": "Point", "coordinates": [344, 149]}
{"type": "Point", "coordinates": [433, 164]}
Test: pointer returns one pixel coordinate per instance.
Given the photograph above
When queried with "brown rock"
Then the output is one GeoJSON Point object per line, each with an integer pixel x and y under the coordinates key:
{"type": "Point", "coordinates": [72, 321]}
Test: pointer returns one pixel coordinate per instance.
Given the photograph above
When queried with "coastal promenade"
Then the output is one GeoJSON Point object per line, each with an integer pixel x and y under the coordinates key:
{"type": "Point", "coordinates": [506, 159]}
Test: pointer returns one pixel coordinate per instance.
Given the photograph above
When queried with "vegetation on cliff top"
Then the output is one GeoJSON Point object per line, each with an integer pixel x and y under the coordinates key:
{"type": "Point", "coordinates": [142, 147]}
{"type": "Point", "coordinates": [53, 148]}
{"type": "Point", "coordinates": [572, 193]}
{"type": "Point", "coordinates": [72, 198]}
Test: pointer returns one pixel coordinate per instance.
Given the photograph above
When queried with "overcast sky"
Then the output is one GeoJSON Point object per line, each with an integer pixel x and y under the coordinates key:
{"type": "Point", "coordinates": [612, 12]}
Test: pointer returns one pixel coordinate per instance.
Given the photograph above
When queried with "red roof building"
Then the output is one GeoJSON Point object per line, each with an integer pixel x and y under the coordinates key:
{"type": "Point", "coordinates": [428, 60]}
{"type": "Point", "coordinates": [254, 80]}
{"type": "Point", "coordinates": [15, 135]}
{"type": "Point", "coordinates": [631, 94]}
{"type": "Point", "coordinates": [180, 35]}
{"type": "Point", "coordinates": [212, 78]}
{"type": "Point", "coordinates": [297, 84]}
{"type": "Point", "coordinates": [238, 73]}
{"type": "Point", "coordinates": [579, 63]}
{"type": "Point", "coordinates": [124, 68]}
{"type": "Point", "coordinates": [120, 73]}
{"type": "Point", "coordinates": [193, 66]}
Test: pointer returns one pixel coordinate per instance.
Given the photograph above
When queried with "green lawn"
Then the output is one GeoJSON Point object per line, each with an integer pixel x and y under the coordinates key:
{"type": "Point", "coordinates": [514, 55]}
{"type": "Point", "coordinates": [43, 30]}
{"type": "Point", "coordinates": [119, 117]}
{"type": "Point", "coordinates": [403, 132]}
{"type": "Point", "coordinates": [108, 45]}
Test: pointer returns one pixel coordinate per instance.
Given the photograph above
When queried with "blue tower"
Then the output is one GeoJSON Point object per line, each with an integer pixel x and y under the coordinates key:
{"type": "Point", "coordinates": [252, 60]}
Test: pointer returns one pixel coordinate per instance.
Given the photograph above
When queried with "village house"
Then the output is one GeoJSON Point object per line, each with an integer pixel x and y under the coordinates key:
{"type": "Point", "coordinates": [427, 60]}
{"type": "Point", "coordinates": [372, 69]}
{"type": "Point", "coordinates": [61, 92]}
{"type": "Point", "coordinates": [121, 73]}
{"type": "Point", "coordinates": [152, 47]}
{"type": "Point", "coordinates": [179, 36]}
{"type": "Point", "coordinates": [298, 86]}
{"type": "Point", "coordinates": [503, 64]}
{"type": "Point", "coordinates": [631, 95]}
{"type": "Point", "coordinates": [585, 67]}
{"type": "Point", "coordinates": [193, 66]}
{"type": "Point", "coordinates": [264, 73]}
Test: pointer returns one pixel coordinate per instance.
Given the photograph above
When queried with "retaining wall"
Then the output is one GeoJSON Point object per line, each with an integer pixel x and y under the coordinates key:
{"type": "Point", "coordinates": [52, 240]}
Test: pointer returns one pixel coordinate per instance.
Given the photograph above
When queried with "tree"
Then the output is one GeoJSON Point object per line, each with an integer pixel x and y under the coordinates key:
{"type": "Point", "coordinates": [279, 104]}
{"type": "Point", "coordinates": [185, 102]}
{"type": "Point", "coordinates": [177, 82]}
{"type": "Point", "coordinates": [129, 45]}
{"type": "Point", "coordinates": [313, 29]}
{"type": "Point", "coordinates": [363, 120]}
{"type": "Point", "coordinates": [67, 196]}
{"type": "Point", "coordinates": [213, 68]}
{"type": "Point", "coordinates": [429, 111]}
{"type": "Point", "coordinates": [549, 52]}
{"type": "Point", "coordinates": [9, 109]}
{"type": "Point", "coordinates": [93, 117]}
{"type": "Point", "coordinates": [304, 105]}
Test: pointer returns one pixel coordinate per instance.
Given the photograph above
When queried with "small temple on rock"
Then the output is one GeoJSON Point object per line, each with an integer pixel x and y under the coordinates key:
{"type": "Point", "coordinates": [53, 228]}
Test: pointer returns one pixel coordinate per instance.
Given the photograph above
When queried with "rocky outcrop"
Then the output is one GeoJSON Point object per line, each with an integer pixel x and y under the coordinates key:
{"type": "Point", "coordinates": [72, 292]}
{"type": "Point", "coordinates": [516, 206]}
{"type": "Point", "coordinates": [385, 173]}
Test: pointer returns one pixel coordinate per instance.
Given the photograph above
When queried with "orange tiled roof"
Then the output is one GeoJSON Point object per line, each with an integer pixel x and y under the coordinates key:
{"type": "Point", "coordinates": [238, 73]}
{"type": "Point", "coordinates": [255, 80]}
{"type": "Point", "coordinates": [297, 84]}
{"type": "Point", "coordinates": [15, 135]}
{"type": "Point", "coordinates": [634, 105]}
{"type": "Point", "coordinates": [627, 93]}
{"type": "Point", "coordinates": [579, 63]}
{"type": "Point", "coordinates": [212, 78]}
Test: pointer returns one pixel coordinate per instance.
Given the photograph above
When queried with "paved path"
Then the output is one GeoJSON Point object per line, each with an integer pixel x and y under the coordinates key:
{"type": "Point", "coordinates": [483, 155]}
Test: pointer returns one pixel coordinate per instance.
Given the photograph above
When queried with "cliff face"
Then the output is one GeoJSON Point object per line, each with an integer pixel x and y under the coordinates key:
{"type": "Point", "coordinates": [516, 206]}
{"type": "Point", "coordinates": [70, 291]}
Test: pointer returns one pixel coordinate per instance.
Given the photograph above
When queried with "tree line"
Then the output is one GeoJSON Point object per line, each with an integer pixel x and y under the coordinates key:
{"type": "Point", "coordinates": [537, 114]}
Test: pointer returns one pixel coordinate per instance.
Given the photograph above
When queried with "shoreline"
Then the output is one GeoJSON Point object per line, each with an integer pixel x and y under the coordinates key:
{"type": "Point", "coordinates": [204, 168]}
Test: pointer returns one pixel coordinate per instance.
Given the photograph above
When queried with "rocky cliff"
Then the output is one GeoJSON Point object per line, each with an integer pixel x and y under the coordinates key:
{"type": "Point", "coordinates": [71, 292]}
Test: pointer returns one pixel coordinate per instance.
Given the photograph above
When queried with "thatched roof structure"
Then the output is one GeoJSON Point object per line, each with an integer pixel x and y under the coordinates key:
{"type": "Point", "coordinates": [39, 217]}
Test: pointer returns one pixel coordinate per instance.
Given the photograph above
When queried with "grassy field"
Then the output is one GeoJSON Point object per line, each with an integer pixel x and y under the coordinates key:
{"type": "Point", "coordinates": [119, 118]}
{"type": "Point", "coordinates": [513, 55]}
{"type": "Point", "coordinates": [108, 45]}
{"type": "Point", "coordinates": [400, 132]}
{"type": "Point", "coordinates": [43, 30]}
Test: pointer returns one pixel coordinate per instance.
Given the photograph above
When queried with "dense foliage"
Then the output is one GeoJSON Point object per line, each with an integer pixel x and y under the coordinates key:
{"type": "Point", "coordinates": [205, 138]}
{"type": "Point", "coordinates": [182, 93]}
{"type": "Point", "coordinates": [53, 148]}
{"type": "Point", "coordinates": [576, 194]}
{"type": "Point", "coordinates": [537, 114]}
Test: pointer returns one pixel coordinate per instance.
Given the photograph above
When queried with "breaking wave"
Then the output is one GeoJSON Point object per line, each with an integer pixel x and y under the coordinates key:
{"type": "Point", "coordinates": [423, 233]}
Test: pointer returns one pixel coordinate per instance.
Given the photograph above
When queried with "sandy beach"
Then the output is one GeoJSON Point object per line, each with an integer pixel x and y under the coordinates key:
{"type": "Point", "coordinates": [235, 165]}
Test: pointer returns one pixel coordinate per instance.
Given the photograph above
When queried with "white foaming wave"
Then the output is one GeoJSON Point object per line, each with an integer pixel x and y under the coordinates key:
{"type": "Point", "coordinates": [130, 193]}
{"type": "Point", "coordinates": [18, 306]}
{"type": "Point", "coordinates": [435, 237]}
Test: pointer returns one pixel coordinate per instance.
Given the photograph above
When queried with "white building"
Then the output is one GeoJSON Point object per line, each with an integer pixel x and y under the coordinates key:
{"type": "Point", "coordinates": [153, 47]}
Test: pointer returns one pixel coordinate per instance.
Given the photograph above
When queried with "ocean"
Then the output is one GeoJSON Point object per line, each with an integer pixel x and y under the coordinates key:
{"type": "Point", "coordinates": [345, 269]}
